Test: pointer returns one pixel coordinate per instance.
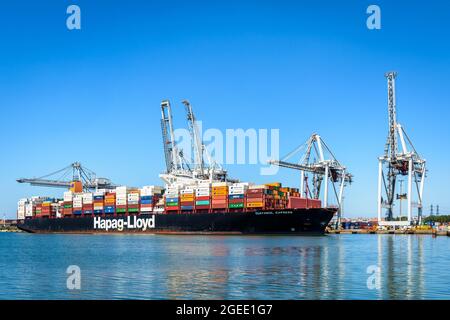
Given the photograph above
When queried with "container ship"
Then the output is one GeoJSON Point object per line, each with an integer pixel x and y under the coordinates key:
{"type": "Point", "coordinates": [196, 199]}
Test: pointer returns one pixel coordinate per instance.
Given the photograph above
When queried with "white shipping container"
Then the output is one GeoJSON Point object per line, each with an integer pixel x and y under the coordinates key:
{"type": "Point", "coordinates": [133, 196]}
{"type": "Point", "coordinates": [258, 186]}
{"type": "Point", "coordinates": [68, 196]}
{"type": "Point", "coordinates": [21, 215]}
{"type": "Point", "coordinates": [241, 184]}
{"type": "Point", "coordinates": [202, 194]}
{"type": "Point", "coordinates": [29, 208]}
{"type": "Point", "coordinates": [88, 198]}
{"type": "Point", "coordinates": [237, 187]}
{"type": "Point", "coordinates": [219, 184]}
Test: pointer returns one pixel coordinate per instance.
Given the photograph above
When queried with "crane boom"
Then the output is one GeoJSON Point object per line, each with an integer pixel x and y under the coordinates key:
{"type": "Point", "coordinates": [78, 173]}
{"type": "Point", "coordinates": [325, 170]}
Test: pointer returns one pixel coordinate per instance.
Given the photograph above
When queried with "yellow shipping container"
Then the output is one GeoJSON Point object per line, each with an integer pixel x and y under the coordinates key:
{"type": "Point", "coordinates": [219, 188]}
{"type": "Point", "coordinates": [254, 204]}
{"type": "Point", "coordinates": [274, 184]}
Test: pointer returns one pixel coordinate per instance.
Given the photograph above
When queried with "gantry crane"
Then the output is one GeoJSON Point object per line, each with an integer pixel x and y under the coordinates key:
{"type": "Point", "coordinates": [324, 170]}
{"type": "Point", "coordinates": [76, 172]}
{"type": "Point", "coordinates": [398, 160]}
{"type": "Point", "coordinates": [178, 169]}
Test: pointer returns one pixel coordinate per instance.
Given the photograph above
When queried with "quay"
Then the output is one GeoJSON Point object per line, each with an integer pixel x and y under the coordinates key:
{"type": "Point", "coordinates": [371, 231]}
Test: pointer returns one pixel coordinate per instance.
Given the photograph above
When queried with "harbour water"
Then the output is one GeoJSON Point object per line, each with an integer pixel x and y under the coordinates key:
{"type": "Point", "coordinates": [34, 266]}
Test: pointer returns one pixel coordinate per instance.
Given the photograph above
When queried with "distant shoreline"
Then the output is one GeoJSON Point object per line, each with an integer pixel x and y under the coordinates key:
{"type": "Point", "coordinates": [9, 229]}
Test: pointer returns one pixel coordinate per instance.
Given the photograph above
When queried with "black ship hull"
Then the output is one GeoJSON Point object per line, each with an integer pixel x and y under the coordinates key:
{"type": "Point", "coordinates": [290, 221]}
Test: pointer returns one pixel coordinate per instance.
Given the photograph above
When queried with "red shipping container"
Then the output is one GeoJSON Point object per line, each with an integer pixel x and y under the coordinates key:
{"type": "Point", "coordinates": [297, 203]}
{"type": "Point", "coordinates": [202, 207]}
{"type": "Point", "coordinates": [255, 191]}
{"type": "Point", "coordinates": [219, 197]}
{"type": "Point", "coordinates": [219, 206]}
{"type": "Point", "coordinates": [255, 195]}
{"type": "Point", "coordinates": [203, 198]}
{"type": "Point", "coordinates": [187, 203]}
{"type": "Point", "coordinates": [236, 201]}
{"type": "Point", "coordinates": [219, 201]}
{"type": "Point", "coordinates": [172, 208]}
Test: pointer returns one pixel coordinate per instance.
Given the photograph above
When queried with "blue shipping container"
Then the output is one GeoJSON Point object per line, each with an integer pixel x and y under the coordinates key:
{"type": "Point", "coordinates": [236, 196]}
{"type": "Point", "coordinates": [171, 199]}
{"type": "Point", "coordinates": [146, 198]}
{"type": "Point", "coordinates": [146, 201]}
{"type": "Point", "coordinates": [187, 208]}
{"type": "Point", "coordinates": [98, 211]}
{"type": "Point", "coordinates": [77, 212]}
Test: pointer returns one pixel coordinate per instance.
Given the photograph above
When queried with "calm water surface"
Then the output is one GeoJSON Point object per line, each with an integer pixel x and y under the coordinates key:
{"type": "Point", "coordinates": [228, 267]}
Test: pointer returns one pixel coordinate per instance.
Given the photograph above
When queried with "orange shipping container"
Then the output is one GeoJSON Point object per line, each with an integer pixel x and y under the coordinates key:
{"type": "Point", "coordinates": [255, 204]}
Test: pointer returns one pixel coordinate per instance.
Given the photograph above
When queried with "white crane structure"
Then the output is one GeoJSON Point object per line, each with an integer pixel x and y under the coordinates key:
{"type": "Point", "coordinates": [319, 162]}
{"type": "Point", "coordinates": [400, 159]}
{"type": "Point", "coordinates": [178, 169]}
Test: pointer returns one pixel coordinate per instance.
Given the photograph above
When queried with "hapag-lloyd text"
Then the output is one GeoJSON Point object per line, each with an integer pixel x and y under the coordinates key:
{"type": "Point", "coordinates": [119, 224]}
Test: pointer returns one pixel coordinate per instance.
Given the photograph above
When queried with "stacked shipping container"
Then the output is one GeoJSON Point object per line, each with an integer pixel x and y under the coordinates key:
{"type": "Point", "coordinates": [203, 196]}
{"type": "Point", "coordinates": [149, 195]}
{"type": "Point", "coordinates": [110, 203]}
{"type": "Point", "coordinates": [67, 204]}
{"type": "Point", "coordinates": [236, 195]}
{"type": "Point", "coordinates": [121, 200]}
{"type": "Point", "coordinates": [187, 198]}
{"type": "Point", "coordinates": [133, 198]}
{"type": "Point", "coordinates": [88, 203]}
{"type": "Point", "coordinates": [99, 202]}
{"type": "Point", "coordinates": [172, 199]}
{"type": "Point", "coordinates": [219, 195]}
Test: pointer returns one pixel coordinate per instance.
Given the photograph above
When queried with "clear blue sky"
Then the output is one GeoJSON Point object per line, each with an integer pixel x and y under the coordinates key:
{"type": "Point", "coordinates": [302, 66]}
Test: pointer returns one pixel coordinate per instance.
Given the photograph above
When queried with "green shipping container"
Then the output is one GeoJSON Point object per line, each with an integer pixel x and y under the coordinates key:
{"type": "Point", "coordinates": [202, 203]}
{"type": "Point", "coordinates": [67, 206]}
{"type": "Point", "coordinates": [121, 210]}
{"type": "Point", "coordinates": [235, 205]}
{"type": "Point", "coordinates": [172, 204]}
{"type": "Point", "coordinates": [133, 210]}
